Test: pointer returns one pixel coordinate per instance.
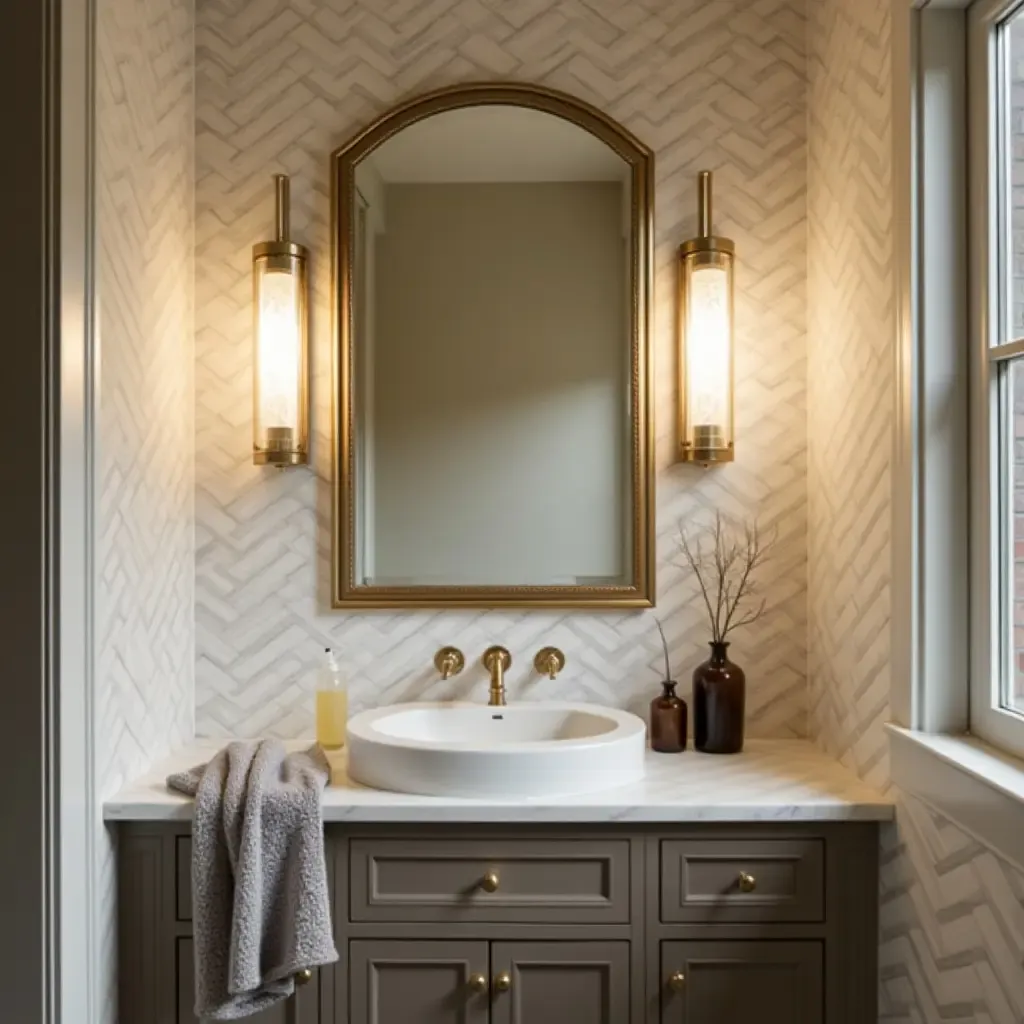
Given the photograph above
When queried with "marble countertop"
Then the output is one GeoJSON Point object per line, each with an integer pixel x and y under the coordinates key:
{"type": "Point", "coordinates": [772, 780]}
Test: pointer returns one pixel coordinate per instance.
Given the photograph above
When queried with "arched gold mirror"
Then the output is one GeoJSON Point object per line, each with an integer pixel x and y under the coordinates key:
{"type": "Point", "coordinates": [493, 422]}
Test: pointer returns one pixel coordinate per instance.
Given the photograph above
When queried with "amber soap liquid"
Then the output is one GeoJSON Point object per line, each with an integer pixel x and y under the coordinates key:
{"type": "Point", "coordinates": [331, 718]}
{"type": "Point", "coordinates": [331, 704]}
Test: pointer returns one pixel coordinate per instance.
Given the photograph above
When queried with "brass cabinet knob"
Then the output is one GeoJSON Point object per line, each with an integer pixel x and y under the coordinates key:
{"type": "Point", "coordinates": [549, 661]}
{"type": "Point", "coordinates": [303, 977]}
{"type": "Point", "coordinates": [489, 883]}
{"type": "Point", "coordinates": [503, 982]}
{"type": "Point", "coordinates": [477, 983]}
{"type": "Point", "coordinates": [449, 661]}
{"type": "Point", "coordinates": [677, 981]}
{"type": "Point", "coordinates": [747, 883]}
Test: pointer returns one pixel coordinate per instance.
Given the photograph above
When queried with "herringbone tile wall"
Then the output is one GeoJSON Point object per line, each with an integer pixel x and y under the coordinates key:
{"type": "Point", "coordinates": [145, 551]}
{"type": "Point", "coordinates": [952, 924]}
{"type": "Point", "coordinates": [850, 367]}
{"type": "Point", "coordinates": [706, 83]}
{"type": "Point", "coordinates": [952, 913]}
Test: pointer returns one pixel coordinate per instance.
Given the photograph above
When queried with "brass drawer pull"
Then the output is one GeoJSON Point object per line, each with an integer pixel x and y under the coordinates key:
{"type": "Point", "coordinates": [677, 981]}
{"type": "Point", "coordinates": [477, 983]}
{"type": "Point", "coordinates": [303, 977]}
{"type": "Point", "coordinates": [503, 982]}
{"type": "Point", "coordinates": [489, 883]}
{"type": "Point", "coordinates": [747, 883]}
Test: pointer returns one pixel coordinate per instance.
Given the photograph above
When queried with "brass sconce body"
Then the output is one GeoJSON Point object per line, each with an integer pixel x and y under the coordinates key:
{"type": "Point", "coordinates": [706, 340]}
{"type": "Point", "coordinates": [280, 289]}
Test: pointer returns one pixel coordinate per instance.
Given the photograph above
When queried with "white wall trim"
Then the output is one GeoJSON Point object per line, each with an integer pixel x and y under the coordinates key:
{"type": "Point", "coordinates": [78, 379]}
{"type": "Point", "coordinates": [974, 785]}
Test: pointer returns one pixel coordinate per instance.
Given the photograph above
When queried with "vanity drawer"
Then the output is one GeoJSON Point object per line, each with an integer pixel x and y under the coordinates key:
{"type": "Point", "coordinates": [742, 880]}
{"type": "Point", "coordinates": [531, 881]}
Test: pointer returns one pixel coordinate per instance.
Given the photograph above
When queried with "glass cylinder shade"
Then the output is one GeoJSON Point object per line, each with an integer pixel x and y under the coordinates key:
{"type": "Point", "coordinates": [280, 415]}
{"type": "Point", "coordinates": [706, 362]}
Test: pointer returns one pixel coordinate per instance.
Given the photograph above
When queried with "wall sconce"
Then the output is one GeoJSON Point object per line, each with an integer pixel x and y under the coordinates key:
{"type": "Point", "coordinates": [706, 339]}
{"type": "Point", "coordinates": [280, 406]}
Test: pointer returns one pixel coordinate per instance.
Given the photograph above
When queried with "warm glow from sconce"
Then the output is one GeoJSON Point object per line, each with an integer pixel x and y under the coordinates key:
{"type": "Point", "coordinates": [280, 415]}
{"type": "Point", "coordinates": [278, 355]}
{"type": "Point", "coordinates": [706, 329]}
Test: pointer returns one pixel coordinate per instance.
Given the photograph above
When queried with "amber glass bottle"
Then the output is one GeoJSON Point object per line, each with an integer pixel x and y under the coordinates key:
{"type": "Point", "coordinates": [668, 720]}
{"type": "Point", "coordinates": [719, 699]}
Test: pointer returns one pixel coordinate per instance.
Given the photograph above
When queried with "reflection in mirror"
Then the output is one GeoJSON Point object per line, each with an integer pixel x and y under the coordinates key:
{"type": "Point", "coordinates": [492, 355]}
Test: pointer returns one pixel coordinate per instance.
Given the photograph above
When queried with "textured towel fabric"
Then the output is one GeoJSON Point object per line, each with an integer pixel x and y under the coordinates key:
{"type": "Point", "coordinates": [260, 910]}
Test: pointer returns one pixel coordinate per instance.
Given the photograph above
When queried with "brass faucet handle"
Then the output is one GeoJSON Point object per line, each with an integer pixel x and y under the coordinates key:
{"type": "Point", "coordinates": [549, 661]}
{"type": "Point", "coordinates": [449, 661]}
{"type": "Point", "coordinates": [497, 654]}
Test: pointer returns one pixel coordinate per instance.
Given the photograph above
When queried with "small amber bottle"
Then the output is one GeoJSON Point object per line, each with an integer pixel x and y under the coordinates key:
{"type": "Point", "coordinates": [668, 720]}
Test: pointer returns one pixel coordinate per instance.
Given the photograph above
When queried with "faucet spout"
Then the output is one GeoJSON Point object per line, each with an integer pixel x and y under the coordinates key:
{"type": "Point", "coordinates": [497, 661]}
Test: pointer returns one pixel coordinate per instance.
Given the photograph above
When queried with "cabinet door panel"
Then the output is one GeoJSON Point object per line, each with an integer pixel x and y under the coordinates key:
{"type": "Point", "coordinates": [416, 982]}
{"type": "Point", "coordinates": [302, 1008]}
{"type": "Point", "coordinates": [741, 982]}
{"type": "Point", "coordinates": [561, 982]}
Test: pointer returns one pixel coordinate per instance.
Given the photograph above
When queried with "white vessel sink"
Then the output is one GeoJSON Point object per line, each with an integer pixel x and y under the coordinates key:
{"type": "Point", "coordinates": [474, 751]}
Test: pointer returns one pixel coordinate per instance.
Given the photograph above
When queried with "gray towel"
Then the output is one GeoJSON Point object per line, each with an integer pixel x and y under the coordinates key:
{"type": "Point", "coordinates": [260, 908]}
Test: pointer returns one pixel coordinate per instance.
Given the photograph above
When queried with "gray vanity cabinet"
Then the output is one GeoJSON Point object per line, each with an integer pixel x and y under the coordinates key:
{"type": "Point", "coordinates": [432, 982]}
{"type": "Point", "coordinates": [417, 982]}
{"type": "Point", "coordinates": [302, 1008]}
{"type": "Point", "coordinates": [561, 982]}
{"type": "Point", "coordinates": [763, 982]}
{"type": "Point", "coordinates": [561, 924]}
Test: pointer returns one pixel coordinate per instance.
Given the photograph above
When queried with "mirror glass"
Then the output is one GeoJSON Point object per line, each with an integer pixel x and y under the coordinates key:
{"type": "Point", "coordinates": [492, 356]}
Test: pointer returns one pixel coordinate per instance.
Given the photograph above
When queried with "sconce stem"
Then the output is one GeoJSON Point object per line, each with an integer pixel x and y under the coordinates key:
{"type": "Point", "coordinates": [704, 204]}
{"type": "Point", "coordinates": [282, 207]}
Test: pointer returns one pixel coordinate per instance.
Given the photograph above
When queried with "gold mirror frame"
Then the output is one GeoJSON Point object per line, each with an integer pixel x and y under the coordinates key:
{"type": "Point", "coordinates": [345, 592]}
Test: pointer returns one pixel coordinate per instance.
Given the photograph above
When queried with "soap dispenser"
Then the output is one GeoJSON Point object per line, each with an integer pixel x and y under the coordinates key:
{"type": "Point", "coordinates": [331, 703]}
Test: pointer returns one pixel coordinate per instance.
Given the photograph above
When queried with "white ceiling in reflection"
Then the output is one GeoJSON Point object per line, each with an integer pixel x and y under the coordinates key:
{"type": "Point", "coordinates": [496, 143]}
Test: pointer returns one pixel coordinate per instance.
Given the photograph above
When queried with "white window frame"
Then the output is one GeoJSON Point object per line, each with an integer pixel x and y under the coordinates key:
{"type": "Point", "coordinates": [942, 635]}
{"type": "Point", "coordinates": [991, 659]}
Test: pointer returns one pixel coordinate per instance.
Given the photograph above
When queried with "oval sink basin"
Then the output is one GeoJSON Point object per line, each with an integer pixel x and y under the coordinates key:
{"type": "Point", "coordinates": [473, 751]}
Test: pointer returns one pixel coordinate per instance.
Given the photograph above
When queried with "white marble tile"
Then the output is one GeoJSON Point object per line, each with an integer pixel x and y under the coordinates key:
{"type": "Point", "coordinates": [772, 780]}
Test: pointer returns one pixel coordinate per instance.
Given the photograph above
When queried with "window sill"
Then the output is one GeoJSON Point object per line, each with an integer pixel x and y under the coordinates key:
{"type": "Point", "coordinates": [976, 786]}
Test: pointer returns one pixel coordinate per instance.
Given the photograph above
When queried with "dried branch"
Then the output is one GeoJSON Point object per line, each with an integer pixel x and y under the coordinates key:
{"type": "Point", "coordinates": [664, 647]}
{"type": "Point", "coordinates": [695, 559]}
{"type": "Point", "coordinates": [726, 574]}
{"type": "Point", "coordinates": [721, 569]}
{"type": "Point", "coordinates": [751, 616]}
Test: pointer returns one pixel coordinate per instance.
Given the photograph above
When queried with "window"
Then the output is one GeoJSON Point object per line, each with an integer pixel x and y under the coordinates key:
{"type": "Point", "coordinates": [996, 115]}
{"type": "Point", "coordinates": [958, 480]}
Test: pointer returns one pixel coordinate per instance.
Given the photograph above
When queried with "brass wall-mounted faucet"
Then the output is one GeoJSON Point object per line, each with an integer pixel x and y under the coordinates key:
{"type": "Point", "coordinates": [549, 661]}
{"type": "Point", "coordinates": [497, 661]}
{"type": "Point", "coordinates": [449, 661]}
